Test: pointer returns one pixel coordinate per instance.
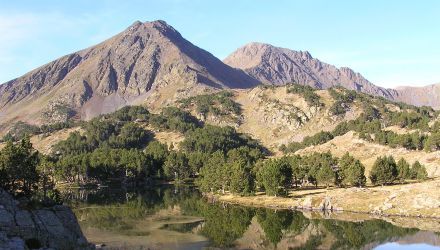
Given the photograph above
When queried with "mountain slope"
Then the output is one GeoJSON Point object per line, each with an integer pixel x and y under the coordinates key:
{"type": "Point", "coordinates": [127, 68]}
{"type": "Point", "coordinates": [420, 96]}
{"type": "Point", "coordinates": [274, 65]}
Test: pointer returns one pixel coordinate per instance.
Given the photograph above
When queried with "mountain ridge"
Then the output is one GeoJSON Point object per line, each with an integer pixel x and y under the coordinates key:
{"type": "Point", "coordinates": [278, 66]}
{"type": "Point", "coordinates": [151, 63]}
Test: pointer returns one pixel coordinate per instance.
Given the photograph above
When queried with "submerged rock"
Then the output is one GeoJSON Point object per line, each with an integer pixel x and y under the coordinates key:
{"type": "Point", "coordinates": [55, 227]}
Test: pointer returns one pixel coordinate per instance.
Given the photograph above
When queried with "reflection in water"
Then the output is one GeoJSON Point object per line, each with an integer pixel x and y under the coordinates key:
{"type": "Point", "coordinates": [179, 218]}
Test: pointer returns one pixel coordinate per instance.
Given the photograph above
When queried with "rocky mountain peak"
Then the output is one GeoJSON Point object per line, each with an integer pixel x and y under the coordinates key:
{"type": "Point", "coordinates": [129, 67]}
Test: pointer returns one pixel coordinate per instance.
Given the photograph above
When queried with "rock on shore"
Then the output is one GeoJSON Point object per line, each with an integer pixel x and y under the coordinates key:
{"type": "Point", "coordinates": [45, 228]}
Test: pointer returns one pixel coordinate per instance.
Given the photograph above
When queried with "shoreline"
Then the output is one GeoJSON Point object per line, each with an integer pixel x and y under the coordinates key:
{"type": "Point", "coordinates": [406, 203]}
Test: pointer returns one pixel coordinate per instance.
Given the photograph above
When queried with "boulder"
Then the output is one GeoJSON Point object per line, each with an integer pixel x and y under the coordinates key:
{"type": "Point", "coordinates": [47, 228]}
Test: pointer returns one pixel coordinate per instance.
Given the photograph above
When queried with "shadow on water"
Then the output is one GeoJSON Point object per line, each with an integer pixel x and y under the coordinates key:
{"type": "Point", "coordinates": [171, 217]}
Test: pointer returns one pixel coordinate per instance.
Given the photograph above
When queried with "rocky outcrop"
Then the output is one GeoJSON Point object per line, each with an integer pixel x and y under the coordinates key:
{"type": "Point", "coordinates": [54, 228]}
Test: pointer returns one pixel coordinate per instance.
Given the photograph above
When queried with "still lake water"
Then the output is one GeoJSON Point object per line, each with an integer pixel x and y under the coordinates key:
{"type": "Point", "coordinates": [171, 217]}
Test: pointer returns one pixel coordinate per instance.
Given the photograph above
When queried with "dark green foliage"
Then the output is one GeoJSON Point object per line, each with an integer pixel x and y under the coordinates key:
{"type": "Point", "coordinates": [213, 174]}
{"type": "Point", "coordinates": [403, 171]}
{"type": "Point", "coordinates": [217, 104]}
{"type": "Point", "coordinates": [225, 225]}
{"type": "Point", "coordinates": [74, 144]}
{"type": "Point", "coordinates": [274, 176]}
{"type": "Point", "coordinates": [196, 160]}
{"type": "Point", "coordinates": [314, 163]}
{"type": "Point", "coordinates": [72, 168]}
{"type": "Point", "coordinates": [176, 166]}
{"type": "Point", "coordinates": [351, 171]}
{"type": "Point", "coordinates": [369, 127]}
{"type": "Point", "coordinates": [130, 114]}
{"type": "Point", "coordinates": [175, 119]}
{"type": "Point", "coordinates": [233, 172]}
{"type": "Point", "coordinates": [325, 175]}
{"type": "Point", "coordinates": [418, 171]}
{"type": "Point", "coordinates": [106, 164]}
{"type": "Point", "coordinates": [307, 92]}
{"type": "Point", "coordinates": [50, 128]}
{"type": "Point", "coordinates": [157, 153]}
{"type": "Point", "coordinates": [239, 164]}
{"type": "Point", "coordinates": [384, 171]}
{"type": "Point", "coordinates": [25, 172]}
{"type": "Point", "coordinates": [18, 167]}
{"type": "Point", "coordinates": [130, 136]}
{"type": "Point", "coordinates": [211, 138]}
{"type": "Point", "coordinates": [412, 120]}
{"type": "Point", "coordinates": [342, 100]}
{"type": "Point", "coordinates": [319, 138]}
{"type": "Point", "coordinates": [20, 130]}
{"type": "Point", "coordinates": [432, 143]}
{"type": "Point", "coordinates": [356, 235]}
{"type": "Point", "coordinates": [274, 223]}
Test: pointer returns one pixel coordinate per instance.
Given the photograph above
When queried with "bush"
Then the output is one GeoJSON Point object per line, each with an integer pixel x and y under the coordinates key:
{"type": "Point", "coordinates": [217, 104]}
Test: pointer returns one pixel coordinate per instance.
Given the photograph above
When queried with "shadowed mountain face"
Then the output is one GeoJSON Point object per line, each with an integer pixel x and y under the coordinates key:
{"type": "Point", "coordinates": [278, 66]}
{"type": "Point", "coordinates": [125, 68]}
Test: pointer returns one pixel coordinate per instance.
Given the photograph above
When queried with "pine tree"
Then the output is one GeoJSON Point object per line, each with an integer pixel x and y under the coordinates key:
{"type": "Point", "coordinates": [384, 171]}
{"type": "Point", "coordinates": [326, 175]}
{"type": "Point", "coordinates": [403, 171]}
{"type": "Point", "coordinates": [352, 172]}
{"type": "Point", "coordinates": [418, 171]}
{"type": "Point", "coordinates": [275, 176]}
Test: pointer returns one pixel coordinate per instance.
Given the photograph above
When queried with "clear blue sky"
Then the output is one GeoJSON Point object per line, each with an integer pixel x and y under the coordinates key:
{"type": "Point", "coordinates": [393, 42]}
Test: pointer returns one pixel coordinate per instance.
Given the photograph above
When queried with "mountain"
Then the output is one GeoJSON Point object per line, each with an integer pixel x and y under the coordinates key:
{"type": "Point", "coordinates": [420, 96]}
{"type": "Point", "coordinates": [152, 64]}
{"type": "Point", "coordinates": [278, 66]}
{"type": "Point", "coordinates": [134, 66]}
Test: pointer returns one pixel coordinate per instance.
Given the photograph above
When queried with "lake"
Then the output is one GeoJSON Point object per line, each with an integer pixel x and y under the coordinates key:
{"type": "Point", "coordinates": [171, 217]}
